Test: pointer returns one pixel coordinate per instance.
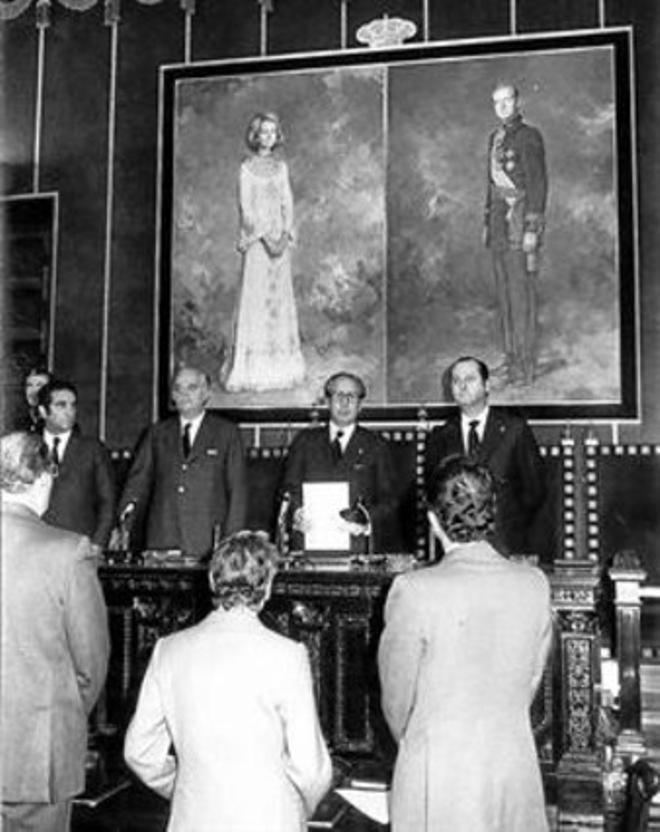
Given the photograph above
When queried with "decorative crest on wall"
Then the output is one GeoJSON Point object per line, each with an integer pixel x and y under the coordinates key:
{"type": "Point", "coordinates": [386, 31]}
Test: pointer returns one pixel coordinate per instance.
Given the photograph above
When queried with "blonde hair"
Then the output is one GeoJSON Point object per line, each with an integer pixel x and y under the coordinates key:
{"type": "Point", "coordinates": [241, 570]}
{"type": "Point", "coordinates": [252, 132]}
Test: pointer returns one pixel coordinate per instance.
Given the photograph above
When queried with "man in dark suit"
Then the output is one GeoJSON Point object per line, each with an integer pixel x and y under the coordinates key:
{"type": "Point", "coordinates": [345, 451]}
{"type": "Point", "coordinates": [55, 646]}
{"type": "Point", "coordinates": [188, 473]}
{"type": "Point", "coordinates": [501, 440]}
{"type": "Point", "coordinates": [514, 225]}
{"type": "Point", "coordinates": [83, 497]}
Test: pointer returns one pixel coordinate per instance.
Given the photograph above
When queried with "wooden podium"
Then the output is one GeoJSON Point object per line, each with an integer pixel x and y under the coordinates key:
{"type": "Point", "coordinates": [335, 608]}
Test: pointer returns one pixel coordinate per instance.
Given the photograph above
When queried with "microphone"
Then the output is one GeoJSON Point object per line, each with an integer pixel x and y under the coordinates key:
{"type": "Point", "coordinates": [120, 540]}
{"type": "Point", "coordinates": [359, 513]}
{"type": "Point", "coordinates": [281, 527]}
{"type": "Point", "coordinates": [126, 513]}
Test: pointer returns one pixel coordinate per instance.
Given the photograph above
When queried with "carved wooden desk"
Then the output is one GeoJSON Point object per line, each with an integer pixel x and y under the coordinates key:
{"type": "Point", "coordinates": [338, 615]}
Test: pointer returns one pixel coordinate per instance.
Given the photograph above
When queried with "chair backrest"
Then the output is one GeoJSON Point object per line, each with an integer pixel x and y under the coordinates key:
{"type": "Point", "coordinates": [407, 452]}
{"type": "Point", "coordinates": [264, 472]}
{"type": "Point", "coordinates": [121, 462]}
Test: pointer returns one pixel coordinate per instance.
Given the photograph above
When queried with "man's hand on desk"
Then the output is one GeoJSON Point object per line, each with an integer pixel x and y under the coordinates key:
{"type": "Point", "coordinates": [356, 529]}
{"type": "Point", "coordinates": [300, 522]}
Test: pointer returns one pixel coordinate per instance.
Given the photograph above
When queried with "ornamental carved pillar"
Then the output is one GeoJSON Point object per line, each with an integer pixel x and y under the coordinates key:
{"type": "Point", "coordinates": [575, 589]}
{"type": "Point", "coordinates": [627, 574]}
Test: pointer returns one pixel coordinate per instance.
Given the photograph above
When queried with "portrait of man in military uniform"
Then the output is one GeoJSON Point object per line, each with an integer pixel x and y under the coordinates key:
{"type": "Point", "coordinates": [513, 229]}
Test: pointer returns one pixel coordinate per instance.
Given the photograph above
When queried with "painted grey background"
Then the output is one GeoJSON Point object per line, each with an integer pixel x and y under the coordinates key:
{"type": "Point", "coordinates": [333, 128]}
{"type": "Point", "coordinates": [441, 290]}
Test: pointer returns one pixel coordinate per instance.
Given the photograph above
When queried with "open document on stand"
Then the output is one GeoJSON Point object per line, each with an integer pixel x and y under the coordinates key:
{"type": "Point", "coordinates": [372, 802]}
{"type": "Point", "coordinates": [322, 502]}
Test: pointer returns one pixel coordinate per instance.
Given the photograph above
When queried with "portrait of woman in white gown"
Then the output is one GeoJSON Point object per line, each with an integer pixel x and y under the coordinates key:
{"type": "Point", "coordinates": [266, 352]}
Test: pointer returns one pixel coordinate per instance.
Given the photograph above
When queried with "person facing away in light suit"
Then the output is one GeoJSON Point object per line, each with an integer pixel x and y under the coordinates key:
{"type": "Point", "coordinates": [235, 700]}
{"type": "Point", "coordinates": [55, 646]}
{"type": "Point", "coordinates": [462, 653]}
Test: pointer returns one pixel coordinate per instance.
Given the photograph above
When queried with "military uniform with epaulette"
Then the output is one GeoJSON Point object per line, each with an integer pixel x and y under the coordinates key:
{"type": "Point", "coordinates": [515, 212]}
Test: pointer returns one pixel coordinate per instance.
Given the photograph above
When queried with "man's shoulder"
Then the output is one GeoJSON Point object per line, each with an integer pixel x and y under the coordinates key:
{"type": "Point", "coordinates": [451, 424]}
{"type": "Point", "coordinates": [66, 541]}
{"type": "Point", "coordinates": [525, 132]}
{"type": "Point", "coordinates": [421, 588]}
{"type": "Point", "coordinates": [161, 427]}
{"type": "Point", "coordinates": [86, 443]}
{"type": "Point", "coordinates": [507, 416]}
{"type": "Point", "coordinates": [42, 536]}
{"type": "Point", "coordinates": [279, 643]}
{"type": "Point", "coordinates": [529, 581]}
{"type": "Point", "coordinates": [527, 128]}
{"type": "Point", "coordinates": [220, 423]}
{"type": "Point", "coordinates": [370, 436]}
{"type": "Point", "coordinates": [423, 575]}
{"type": "Point", "coordinates": [205, 632]}
{"type": "Point", "coordinates": [311, 435]}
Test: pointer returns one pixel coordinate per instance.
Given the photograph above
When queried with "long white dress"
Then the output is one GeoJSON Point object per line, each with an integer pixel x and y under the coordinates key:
{"type": "Point", "coordinates": [266, 351]}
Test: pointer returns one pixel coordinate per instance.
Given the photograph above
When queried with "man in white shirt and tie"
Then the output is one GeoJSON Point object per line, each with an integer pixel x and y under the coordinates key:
{"type": "Point", "coordinates": [498, 438]}
{"type": "Point", "coordinates": [188, 474]}
{"type": "Point", "coordinates": [83, 496]}
{"type": "Point", "coordinates": [343, 450]}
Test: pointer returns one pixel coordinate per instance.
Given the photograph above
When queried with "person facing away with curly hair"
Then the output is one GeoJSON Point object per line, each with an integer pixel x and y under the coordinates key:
{"type": "Point", "coordinates": [235, 702]}
{"type": "Point", "coordinates": [461, 656]}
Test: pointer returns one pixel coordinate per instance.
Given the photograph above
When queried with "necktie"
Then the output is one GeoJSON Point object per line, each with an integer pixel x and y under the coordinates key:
{"type": "Point", "coordinates": [336, 446]}
{"type": "Point", "coordinates": [55, 454]}
{"type": "Point", "coordinates": [473, 438]}
{"type": "Point", "coordinates": [185, 442]}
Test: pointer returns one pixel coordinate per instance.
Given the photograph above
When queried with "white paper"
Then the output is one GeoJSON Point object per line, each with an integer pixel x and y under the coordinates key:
{"type": "Point", "coordinates": [322, 502]}
{"type": "Point", "coordinates": [371, 802]}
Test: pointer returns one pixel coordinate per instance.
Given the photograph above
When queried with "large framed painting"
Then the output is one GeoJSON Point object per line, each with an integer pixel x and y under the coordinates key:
{"type": "Point", "coordinates": [389, 211]}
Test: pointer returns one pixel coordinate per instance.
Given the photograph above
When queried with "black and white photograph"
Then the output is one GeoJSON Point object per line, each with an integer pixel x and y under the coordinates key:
{"type": "Point", "coordinates": [364, 232]}
{"type": "Point", "coordinates": [329, 416]}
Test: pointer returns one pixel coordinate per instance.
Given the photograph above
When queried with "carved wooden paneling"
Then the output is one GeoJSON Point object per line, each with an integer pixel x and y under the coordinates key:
{"type": "Point", "coordinates": [338, 616]}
